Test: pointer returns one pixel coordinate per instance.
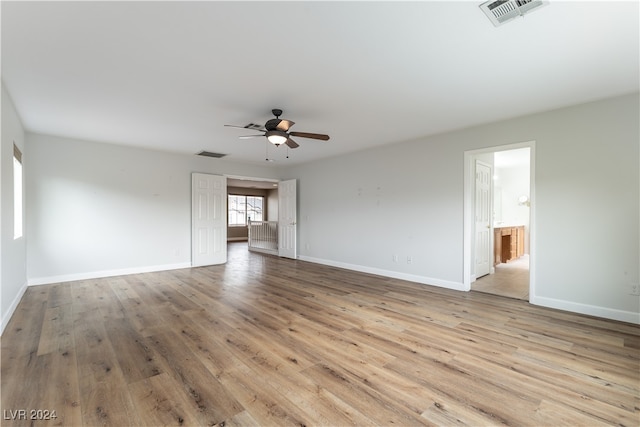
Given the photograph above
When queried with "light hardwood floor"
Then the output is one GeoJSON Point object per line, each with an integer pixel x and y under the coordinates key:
{"type": "Point", "coordinates": [272, 342]}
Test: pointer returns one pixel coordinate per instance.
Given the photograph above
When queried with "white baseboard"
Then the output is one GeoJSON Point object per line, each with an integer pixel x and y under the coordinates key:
{"type": "Point", "coordinates": [12, 308]}
{"type": "Point", "coordinates": [105, 273]}
{"type": "Point", "coordinates": [591, 310]}
{"type": "Point", "coordinates": [458, 286]}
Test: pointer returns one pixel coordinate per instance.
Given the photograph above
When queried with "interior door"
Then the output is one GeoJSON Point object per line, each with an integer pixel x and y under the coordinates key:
{"type": "Point", "coordinates": [208, 219]}
{"type": "Point", "coordinates": [483, 219]}
{"type": "Point", "coordinates": [287, 219]}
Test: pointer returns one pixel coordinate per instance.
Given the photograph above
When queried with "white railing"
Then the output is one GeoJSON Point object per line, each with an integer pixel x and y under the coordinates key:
{"type": "Point", "coordinates": [263, 236]}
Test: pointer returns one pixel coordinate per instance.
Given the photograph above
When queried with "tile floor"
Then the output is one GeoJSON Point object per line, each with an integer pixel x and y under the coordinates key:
{"type": "Point", "coordinates": [511, 280]}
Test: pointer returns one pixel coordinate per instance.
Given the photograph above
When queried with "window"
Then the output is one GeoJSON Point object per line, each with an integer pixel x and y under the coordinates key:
{"type": "Point", "coordinates": [242, 208]}
{"type": "Point", "coordinates": [17, 193]}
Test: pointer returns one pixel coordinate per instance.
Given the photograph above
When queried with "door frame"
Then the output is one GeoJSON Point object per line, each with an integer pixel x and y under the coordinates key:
{"type": "Point", "coordinates": [251, 178]}
{"type": "Point", "coordinates": [468, 211]}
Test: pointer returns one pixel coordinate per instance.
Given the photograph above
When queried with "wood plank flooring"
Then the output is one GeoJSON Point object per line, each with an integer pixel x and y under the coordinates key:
{"type": "Point", "coordinates": [274, 342]}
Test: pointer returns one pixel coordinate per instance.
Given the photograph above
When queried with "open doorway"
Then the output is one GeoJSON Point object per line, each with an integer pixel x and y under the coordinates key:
{"type": "Point", "coordinates": [253, 213]}
{"type": "Point", "coordinates": [499, 219]}
{"type": "Point", "coordinates": [250, 199]}
{"type": "Point", "coordinates": [263, 213]}
{"type": "Point", "coordinates": [509, 272]}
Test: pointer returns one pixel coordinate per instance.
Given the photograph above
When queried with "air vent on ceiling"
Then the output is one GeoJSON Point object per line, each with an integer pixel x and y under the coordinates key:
{"type": "Point", "coordinates": [210, 154]}
{"type": "Point", "coordinates": [502, 11]}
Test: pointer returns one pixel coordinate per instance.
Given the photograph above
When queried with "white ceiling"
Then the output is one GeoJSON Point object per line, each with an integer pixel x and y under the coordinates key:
{"type": "Point", "coordinates": [169, 75]}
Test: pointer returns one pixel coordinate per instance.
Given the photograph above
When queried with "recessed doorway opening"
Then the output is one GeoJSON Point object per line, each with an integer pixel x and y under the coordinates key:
{"type": "Point", "coordinates": [499, 219]}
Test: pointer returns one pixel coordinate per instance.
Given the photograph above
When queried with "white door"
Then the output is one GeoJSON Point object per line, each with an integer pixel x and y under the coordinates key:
{"type": "Point", "coordinates": [287, 219]}
{"type": "Point", "coordinates": [208, 219]}
{"type": "Point", "coordinates": [483, 217]}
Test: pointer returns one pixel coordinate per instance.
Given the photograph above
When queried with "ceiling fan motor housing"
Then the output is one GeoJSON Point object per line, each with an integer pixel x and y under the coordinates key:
{"type": "Point", "coordinates": [272, 124]}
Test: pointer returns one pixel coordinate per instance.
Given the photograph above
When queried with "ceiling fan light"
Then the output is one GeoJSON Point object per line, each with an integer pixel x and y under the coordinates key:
{"type": "Point", "coordinates": [277, 137]}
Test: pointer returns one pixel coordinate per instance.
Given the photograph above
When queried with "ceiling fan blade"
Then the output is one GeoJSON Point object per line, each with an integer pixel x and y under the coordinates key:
{"type": "Point", "coordinates": [249, 126]}
{"type": "Point", "coordinates": [249, 136]}
{"type": "Point", "coordinates": [285, 125]}
{"type": "Point", "coordinates": [234, 126]}
{"type": "Point", "coordinates": [291, 143]}
{"type": "Point", "coordinates": [310, 135]}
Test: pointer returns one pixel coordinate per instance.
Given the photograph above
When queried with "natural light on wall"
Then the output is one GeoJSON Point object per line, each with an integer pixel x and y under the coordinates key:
{"type": "Point", "coordinates": [17, 193]}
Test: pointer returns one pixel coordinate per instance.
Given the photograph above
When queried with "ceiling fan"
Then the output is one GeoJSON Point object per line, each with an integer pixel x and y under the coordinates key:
{"type": "Point", "coordinates": [277, 131]}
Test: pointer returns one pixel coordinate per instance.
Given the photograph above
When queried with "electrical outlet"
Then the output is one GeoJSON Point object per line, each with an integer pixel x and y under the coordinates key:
{"type": "Point", "coordinates": [409, 260]}
{"type": "Point", "coordinates": [634, 289]}
{"type": "Point", "coordinates": [395, 258]}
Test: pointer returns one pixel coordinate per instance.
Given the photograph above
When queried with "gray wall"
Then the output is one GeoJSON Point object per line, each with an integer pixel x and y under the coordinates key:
{"type": "Point", "coordinates": [99, 209]}
{"type": "Point", "coordinates": [13, 271]}
{"type": "Point", "coordinates": [359, 210]}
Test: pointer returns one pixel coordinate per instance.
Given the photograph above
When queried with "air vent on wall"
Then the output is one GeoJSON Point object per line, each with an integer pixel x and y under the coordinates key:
{"type": "Point", "coordinates": [210, 154]}
{"type": "Point", "coordinates": [502, 11]}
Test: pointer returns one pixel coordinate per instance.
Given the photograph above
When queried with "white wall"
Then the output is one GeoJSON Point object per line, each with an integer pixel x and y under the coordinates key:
{"type": "Point", "coordinates": [272, 205]}
{"type": "Point", "coordinates": [361, 209]}
{"type": "Point", "coordinates": [101, 209]}
{"type": "Point", "coordinates": [512, 183]}
{"type": "Point", "coordinates": [13, 273]}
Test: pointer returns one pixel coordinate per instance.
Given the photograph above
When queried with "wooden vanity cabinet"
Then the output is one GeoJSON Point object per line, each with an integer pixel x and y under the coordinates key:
{"type": "Point", "coordinates": [508, 243]}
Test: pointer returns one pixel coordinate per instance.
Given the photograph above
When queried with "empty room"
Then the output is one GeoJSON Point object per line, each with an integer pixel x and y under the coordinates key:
{"type": "Point", "coordinates": [320, 213]}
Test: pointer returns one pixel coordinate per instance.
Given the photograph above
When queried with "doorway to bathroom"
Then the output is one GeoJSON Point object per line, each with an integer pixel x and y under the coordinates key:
{"type": "Point", "coordinates": [498, 215]}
